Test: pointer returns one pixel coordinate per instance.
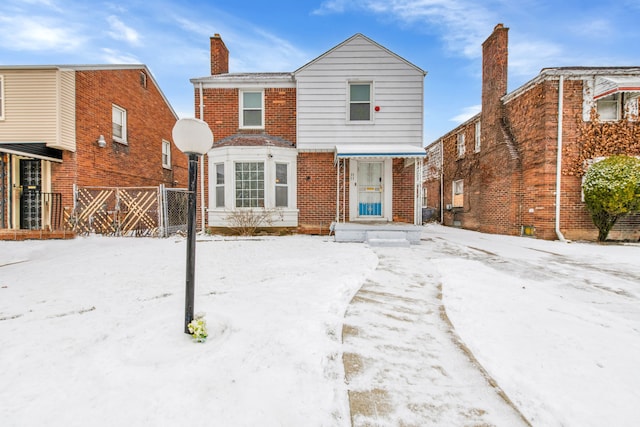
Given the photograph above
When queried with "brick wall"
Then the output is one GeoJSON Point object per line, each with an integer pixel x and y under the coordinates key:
{"type": "Point", "coordinates": [149, 121]}
{"type": "Point", "coordinates": [317, 187]}
{"type": "Point", "coordinates": [403, 191]}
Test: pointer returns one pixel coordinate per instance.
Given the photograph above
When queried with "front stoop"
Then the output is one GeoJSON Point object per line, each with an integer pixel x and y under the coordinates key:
{"type": "Point", "coordinates": [387, 238]}
{"type": "Point", "coordinates": [377, 234]}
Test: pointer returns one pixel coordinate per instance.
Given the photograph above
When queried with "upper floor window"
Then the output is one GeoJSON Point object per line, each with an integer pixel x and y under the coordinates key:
{"type": "Point", "coordinates": [609, 107]}
{"type": "Point", "coordinates": [460, 144]}
{"type": "Point", "coordinates": [618, 106]}
{"type": "Point", "coordinates": [477, 138]}
{"type": "Point", "coordinates": [250, 185]}
{"type": "Point", "coordinates": [166, 154]}
{"type": "Point", "coordinates": [251, 109]}
{"type": "Point", "coordinates": [360, 101]}
{"type": "Point", "coordinates": [1, 97]}
{"type": "Point", "coordinates": [119, 124]}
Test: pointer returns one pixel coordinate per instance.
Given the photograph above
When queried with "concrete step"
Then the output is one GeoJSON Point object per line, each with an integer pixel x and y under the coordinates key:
{"type": "Point", "coordinates": [399, 243]}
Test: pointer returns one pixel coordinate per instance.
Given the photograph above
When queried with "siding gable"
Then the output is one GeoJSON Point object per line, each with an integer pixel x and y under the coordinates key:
{"type": "Point", "coordinates": [398, 91]}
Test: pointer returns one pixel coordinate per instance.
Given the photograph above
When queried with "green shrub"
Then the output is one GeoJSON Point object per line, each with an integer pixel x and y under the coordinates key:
{"type": "Point", "coordinates": [611, 190]}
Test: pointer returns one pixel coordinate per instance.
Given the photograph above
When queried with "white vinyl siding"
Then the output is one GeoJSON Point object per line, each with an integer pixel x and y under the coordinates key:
{"type": "Point", "coordinates": [323, 102]}
{"type": "Point", "coordinates": [39, 106]}
{"type": "Point", "coordinates": [1, 98]}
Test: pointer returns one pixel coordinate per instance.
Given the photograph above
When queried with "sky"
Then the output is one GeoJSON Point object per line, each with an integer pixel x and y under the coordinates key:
{"type": "Point", "coordinates": [91, 332]}
{"type": "Point", "coordinates": [442, 37]}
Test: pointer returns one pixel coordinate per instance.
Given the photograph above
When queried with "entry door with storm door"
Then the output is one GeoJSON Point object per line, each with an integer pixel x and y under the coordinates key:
{"type": "Point", "coordinates": [30, 202]}
{"type": "Point", "coordinates": [370, 189]}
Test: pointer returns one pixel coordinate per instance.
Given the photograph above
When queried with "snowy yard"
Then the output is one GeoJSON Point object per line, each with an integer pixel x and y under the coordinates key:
{"type": "Point", "coordinates": [91, 330]}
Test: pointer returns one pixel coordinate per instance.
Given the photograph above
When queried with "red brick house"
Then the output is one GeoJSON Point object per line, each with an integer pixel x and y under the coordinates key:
{"type": "Point", "coordinates": [66, 126]}
{"type": "Point", "coordinates": [516, 168]}
{"type": "Point", "coordinates": [338, 140]}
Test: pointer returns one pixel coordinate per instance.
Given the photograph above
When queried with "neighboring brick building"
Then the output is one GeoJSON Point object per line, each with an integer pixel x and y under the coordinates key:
{"type": "Point", "coordinates": [93, 125]}
{"type": "Point", "coordinates": [500, 171]}
{"type": "Point", "coordinates": [299, 143]}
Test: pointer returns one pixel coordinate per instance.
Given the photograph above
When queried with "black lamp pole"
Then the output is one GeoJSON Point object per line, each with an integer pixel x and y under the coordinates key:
{"type": "Point", "coordinates": [191, 241]}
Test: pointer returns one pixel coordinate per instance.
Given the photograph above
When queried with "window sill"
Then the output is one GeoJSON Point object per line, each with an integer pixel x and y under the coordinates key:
{"type": "Point", "coordinates": [120, 141]}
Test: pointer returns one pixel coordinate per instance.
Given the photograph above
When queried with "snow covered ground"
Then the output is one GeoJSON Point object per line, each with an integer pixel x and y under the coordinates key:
{"type": "Point", "coordinates": [91, 330]}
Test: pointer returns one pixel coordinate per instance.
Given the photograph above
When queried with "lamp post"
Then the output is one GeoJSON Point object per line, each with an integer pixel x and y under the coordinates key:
{"type": "Point", "coordinates": [194, 138]}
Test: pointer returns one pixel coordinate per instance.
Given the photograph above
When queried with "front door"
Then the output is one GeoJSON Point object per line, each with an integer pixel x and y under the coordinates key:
{"type": "Point", "coordinates": [30, 203]}
{"type": "Point", "coordinates": [370, 189]}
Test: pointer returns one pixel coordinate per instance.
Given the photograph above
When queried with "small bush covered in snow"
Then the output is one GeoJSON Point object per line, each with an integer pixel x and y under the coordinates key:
{"type": "Point", "coordinates": [611, 190]}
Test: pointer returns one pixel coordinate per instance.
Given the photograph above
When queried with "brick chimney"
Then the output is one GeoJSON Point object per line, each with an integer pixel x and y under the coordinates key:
{"type": "Point", "coordinates": [219, 56]}
{"type": "Point", "coordinates": [494, 78]}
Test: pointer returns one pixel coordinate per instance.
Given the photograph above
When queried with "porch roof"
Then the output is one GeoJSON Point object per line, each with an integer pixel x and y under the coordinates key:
{"type": "Point", "coordinates": [612, 84]}
{"type": "Point", "coordinates": [36, 150]}
{"type": "Point", "coordinates": [345, 151]}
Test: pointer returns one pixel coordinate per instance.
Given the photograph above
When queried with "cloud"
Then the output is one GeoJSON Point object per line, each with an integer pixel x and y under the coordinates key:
{"type": "Point", "coordinates": [466, 114]}
{"type": "Point", "coordinates": [112, 56]}
{"type": "Point", "coordinates": [119, 31]}
{"type": "Point", "coordinates": [37, 33]}
{"type": "Point", "coordinates": [461, 24]}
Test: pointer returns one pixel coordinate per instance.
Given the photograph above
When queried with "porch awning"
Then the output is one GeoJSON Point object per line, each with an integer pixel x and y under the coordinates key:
{"type": "Point", "coordinates": [36, 150]}
{"type": "Point", "coordinates": [609, 85]}
{"type": "Point", "coordinates": [405, 151]}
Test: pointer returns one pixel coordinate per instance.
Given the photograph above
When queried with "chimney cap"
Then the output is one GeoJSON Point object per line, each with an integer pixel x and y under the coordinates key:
{"type": "Point", "coordinates": [499, 26]}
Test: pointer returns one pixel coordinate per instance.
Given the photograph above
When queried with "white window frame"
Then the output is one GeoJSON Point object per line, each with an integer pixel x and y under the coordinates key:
{"type": "Point", "coordinates": [2, 98]}
{"type": "Point", "coordinates": [460, 147]}
{"type": "Point", "coordinates": [457, 193]}
{"type": "Point", "coordinates": [242, 109]}
{"type": "Point", "coordinates": [123, 115]}
{"type": "Point", "coordinates": [477, 144]}
{"type": "Point", "coordinates": [260, 201]}
{"type": "Point", "coordinates": [613, 101]}
{"type": "Point", "coordinates": [282, 185]}
{"type": "Point", "coordinates": [370, 102]}
{"type": "Point", "coordinates": [166, 154]}
{"type": "Point", "coordinates": [219, 181]}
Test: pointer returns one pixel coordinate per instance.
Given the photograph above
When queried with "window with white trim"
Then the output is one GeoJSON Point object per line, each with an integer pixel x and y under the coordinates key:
{"type": "Point", "coordinates": [476, 147]}
{"type": "Point", "coordinates": [166, 154]}
{"type": "Point", "coordinates": [618, 106]}
{"type": "Point", "coordinates": [119, 124]}
{"type": "Point", "coordinates": [609, 107]}
{"type": "Point", "coordinates": [249, 185]}
{"type": "Point", "coordinates": [360, 101]}
{"type": "Point", "coordinates": [458, 193]}
{"type": "Point", "coordinates": [282, 186]}
{"type": "Point", "coordinates": [251, 109]}
{"type": "Point", "coordinates": [460, 144]}
{"type": "Point", "coordinates": [219, 185]}
{"type": "Point", "coordinates": [1, 97]}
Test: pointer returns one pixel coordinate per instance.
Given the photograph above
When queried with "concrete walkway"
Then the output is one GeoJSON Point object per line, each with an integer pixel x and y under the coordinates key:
{"type": "Point", "coordinates": [397, 323]}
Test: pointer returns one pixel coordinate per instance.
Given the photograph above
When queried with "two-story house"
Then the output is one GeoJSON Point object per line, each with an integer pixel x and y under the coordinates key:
{"type": "Point", "coordinates": [516, 168]}
{"type": "Point", "coordinates": [65, 127]}
{"type": "Point", "coordinates": [337, 140]}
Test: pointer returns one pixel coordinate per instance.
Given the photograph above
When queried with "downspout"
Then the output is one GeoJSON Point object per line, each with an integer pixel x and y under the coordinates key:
{"type": "Point", "coordinates": [441, 182]}
{"type": "Point", "coordinates": [202, 209]}
{"type": "Point", "coordinates": [559, 159]}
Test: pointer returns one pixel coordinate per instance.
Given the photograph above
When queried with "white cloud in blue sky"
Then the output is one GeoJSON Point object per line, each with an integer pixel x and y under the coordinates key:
{"type": "Point", "coordinates": [443, 37]}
